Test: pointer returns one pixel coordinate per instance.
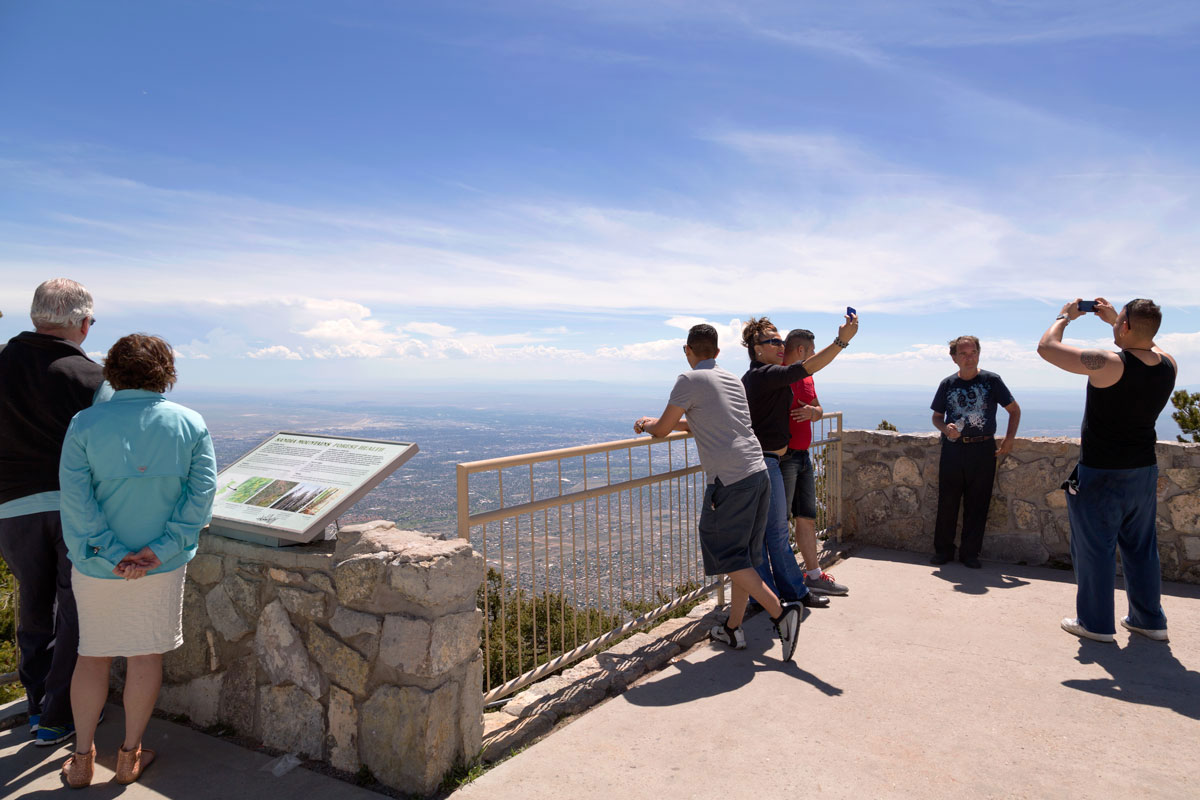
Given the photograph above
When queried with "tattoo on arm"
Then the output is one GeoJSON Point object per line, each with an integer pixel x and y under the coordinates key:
{"type": "Point", "coordinates": [1093, 359]}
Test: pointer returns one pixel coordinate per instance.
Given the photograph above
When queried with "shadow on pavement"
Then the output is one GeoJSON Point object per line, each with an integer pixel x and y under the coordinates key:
{"type": "Point", "coordinates": [723, 672]}
{"type": "Point", "coordinates": [977, 581]}
{"type": "Point", "coordinates": [1143, 672]}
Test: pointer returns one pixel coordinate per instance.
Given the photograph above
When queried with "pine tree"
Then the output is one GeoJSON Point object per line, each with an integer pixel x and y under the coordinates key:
{"type": "Point", "coordinates": [1188, 415]}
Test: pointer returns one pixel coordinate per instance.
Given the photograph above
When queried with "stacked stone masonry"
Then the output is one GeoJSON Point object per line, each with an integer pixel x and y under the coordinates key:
{"type": "Point", "coordinates": [359, 652]}
{"type": "Point", "coordinates": [890, 490]}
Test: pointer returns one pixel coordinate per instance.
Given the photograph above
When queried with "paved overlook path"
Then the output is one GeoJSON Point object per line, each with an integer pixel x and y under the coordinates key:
{"type": "Point", "coordinates": [925, 682]}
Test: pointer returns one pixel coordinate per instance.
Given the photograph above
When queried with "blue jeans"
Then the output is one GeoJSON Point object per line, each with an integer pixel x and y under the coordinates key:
{"type": "Point", "coordinates": [779, 567]}
{"type": "Point", "coordinates": [1116, 508]}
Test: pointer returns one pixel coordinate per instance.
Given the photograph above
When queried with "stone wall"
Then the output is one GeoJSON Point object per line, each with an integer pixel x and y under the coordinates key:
{"type": "Point", "coordinates": [890, 488]}
{"type": "Point", "coordinates": [363, 652]}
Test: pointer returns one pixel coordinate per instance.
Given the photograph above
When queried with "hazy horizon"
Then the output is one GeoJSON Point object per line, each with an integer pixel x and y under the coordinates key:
{"type": "Point", "coordinates": [1044, 412]}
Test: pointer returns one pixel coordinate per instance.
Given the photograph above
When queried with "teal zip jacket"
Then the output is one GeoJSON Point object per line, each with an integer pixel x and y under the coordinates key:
{"type": "Point", "coordinates": [136, 471]}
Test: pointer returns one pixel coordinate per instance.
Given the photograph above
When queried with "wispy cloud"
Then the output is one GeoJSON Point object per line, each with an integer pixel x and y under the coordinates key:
{"type": "Point", "coordinates": [911, 245]}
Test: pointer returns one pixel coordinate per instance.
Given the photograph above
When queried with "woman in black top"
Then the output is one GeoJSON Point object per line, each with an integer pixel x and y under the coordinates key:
{"type": "Point", "coordinates": [769, 394]}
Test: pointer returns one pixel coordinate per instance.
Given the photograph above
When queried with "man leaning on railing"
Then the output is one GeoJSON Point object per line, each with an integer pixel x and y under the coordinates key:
{"type": "Point", "coordinates": [733, 516]}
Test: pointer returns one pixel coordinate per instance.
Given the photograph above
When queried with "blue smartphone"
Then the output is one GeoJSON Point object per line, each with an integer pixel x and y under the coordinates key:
{"type": "Point", "coordinates": [1087, 305]}
{"type": "Point", "coordinates": [850, 312]}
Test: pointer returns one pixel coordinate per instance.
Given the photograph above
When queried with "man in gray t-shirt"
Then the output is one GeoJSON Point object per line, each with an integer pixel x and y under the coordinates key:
{"type": "Point", "coordinates": [734, 513]}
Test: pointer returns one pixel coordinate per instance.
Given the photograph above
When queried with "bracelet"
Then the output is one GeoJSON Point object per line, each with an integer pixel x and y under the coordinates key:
{"type": "Point", "coordinates": [838, 341]}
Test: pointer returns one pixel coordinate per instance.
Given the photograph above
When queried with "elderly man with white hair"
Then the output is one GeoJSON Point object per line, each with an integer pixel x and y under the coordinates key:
{"type": "Point", "coordinates": [45, 379]}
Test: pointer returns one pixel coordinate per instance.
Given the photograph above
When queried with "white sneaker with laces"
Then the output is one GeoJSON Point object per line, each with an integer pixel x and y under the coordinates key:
{"type": "Point", "coordinates": [1157, 634]}
{"type": "Point", "coordinates": [1073, 625]}
{"type": "Point", "coordinates": [788, 628]}
{"type": "Point", "coordinates": [734, 637]}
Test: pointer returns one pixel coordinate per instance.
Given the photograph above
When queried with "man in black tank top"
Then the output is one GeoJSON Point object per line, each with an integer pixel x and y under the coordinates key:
{"type": "Point", "coordinates": [1114, 503]}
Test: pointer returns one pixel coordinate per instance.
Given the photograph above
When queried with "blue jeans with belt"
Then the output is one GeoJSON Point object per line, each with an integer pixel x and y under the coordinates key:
{"type": "Point", "coordinates": [779, 569]}
{"type": "Point", "coordinates": [1116, 508]}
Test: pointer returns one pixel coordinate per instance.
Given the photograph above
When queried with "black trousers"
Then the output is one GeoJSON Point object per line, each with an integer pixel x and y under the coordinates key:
{"type": "Point", "coordinates": [47, 622]}
{"type": "Point", "coordinates": [965, 476]}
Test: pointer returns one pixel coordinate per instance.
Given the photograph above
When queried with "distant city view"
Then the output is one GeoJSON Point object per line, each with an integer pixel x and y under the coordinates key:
{"type": "Point", "coordinates": [422, 493]}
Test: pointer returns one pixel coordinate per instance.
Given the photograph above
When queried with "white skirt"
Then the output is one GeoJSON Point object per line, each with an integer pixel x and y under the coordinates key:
{"type": "Point", "coordinates": [129, 618]}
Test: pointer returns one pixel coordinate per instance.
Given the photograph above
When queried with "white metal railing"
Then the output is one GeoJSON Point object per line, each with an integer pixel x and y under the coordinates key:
{"type": "Point", "coordinates": [585, 544]}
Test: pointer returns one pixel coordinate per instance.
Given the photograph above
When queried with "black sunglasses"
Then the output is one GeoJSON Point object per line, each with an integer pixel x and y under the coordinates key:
{"type": "Point", "coordinates": [776, 342]}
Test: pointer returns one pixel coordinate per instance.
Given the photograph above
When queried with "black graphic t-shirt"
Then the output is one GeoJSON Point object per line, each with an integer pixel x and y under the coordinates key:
{"type": "Point", "coordinates": [971, 405]}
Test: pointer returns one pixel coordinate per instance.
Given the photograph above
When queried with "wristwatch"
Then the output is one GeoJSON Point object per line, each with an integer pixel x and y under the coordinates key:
{"type": "Point", "coordinates": [1063, 316]}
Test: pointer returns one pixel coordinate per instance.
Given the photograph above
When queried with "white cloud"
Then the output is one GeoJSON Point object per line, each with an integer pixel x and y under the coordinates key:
{"type": "Point", "coordinates": [435, 329]}
{"type": "Point", "coordinates": [644, 351]}
{"type": "Point", "coordinates": [277, 351]}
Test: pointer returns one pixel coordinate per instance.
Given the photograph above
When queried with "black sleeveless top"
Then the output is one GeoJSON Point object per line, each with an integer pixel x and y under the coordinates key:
{"type": "Point", "coordinates": [1118, 421]}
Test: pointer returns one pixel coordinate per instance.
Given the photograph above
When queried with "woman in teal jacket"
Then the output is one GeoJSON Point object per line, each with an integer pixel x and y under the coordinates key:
{"type": "Point", "coordinates": [138, 477]}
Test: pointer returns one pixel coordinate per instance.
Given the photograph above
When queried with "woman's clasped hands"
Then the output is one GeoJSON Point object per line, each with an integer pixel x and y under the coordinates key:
{"type": "Point", "coordinates": [136, 565]}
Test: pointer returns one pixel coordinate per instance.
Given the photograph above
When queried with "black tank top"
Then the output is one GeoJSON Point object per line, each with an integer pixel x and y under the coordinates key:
{"type": "Point", "coordinates": [1118, 421]}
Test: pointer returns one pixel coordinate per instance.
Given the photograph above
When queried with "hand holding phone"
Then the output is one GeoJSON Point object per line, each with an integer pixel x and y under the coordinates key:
{"type": "Point", "coordinates": [850, 312]}
{"type": "Point", "coordinates": [1086, 306]}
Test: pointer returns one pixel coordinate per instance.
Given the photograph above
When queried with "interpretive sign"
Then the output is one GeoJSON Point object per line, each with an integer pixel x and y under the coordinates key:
{"type": "Point", "coordinates": [291, 486]}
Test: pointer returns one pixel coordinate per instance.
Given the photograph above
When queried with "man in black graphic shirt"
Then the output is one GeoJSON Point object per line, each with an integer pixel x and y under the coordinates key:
{"type": "Point", "coordinates": [964, 410]}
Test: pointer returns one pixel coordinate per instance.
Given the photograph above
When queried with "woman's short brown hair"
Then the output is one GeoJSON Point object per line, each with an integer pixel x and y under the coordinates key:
{"type": "Point", "coordinates": [140, 361]}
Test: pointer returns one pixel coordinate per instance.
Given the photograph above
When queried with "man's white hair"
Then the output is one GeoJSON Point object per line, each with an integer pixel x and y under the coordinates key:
{"type": "Point", "coordinates": [60, 303]}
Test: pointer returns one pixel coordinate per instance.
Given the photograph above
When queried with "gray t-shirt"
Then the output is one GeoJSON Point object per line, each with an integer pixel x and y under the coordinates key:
{"type": "Point", "coordinates": [719, 417]}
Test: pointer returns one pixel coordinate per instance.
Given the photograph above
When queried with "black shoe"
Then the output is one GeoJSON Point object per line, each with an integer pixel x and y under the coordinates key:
{"type": "Point", "coordinates": [810, 600]}
{"type": "Point", "coordinates": [939, 558]}
{"type": "Point", "coordinates": [971, 563]}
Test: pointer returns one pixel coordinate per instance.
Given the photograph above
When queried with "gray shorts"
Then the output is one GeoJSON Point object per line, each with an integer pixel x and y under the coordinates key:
{"type": "Point", "coordinates": [732, 521]}
{"type": "Point", "coordinates": [799, 483]}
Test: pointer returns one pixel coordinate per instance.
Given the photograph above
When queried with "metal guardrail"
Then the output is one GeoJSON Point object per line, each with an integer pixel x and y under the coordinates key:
{"type": "Point", "coordinates": [585, 544]}
{"type": "Point", "coordinates": [826, 453]}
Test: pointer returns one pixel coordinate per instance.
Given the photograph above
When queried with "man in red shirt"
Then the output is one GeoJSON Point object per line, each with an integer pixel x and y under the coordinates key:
{"type": "Point", "coordinates": [799, 480]}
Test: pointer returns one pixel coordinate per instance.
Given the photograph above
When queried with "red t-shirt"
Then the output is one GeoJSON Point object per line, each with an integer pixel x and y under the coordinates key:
{"type": "Point", "coordinates": [803, 393]}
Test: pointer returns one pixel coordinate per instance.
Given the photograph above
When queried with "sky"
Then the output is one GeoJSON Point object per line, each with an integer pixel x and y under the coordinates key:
{"type": "Point", "coordinates": [374, 195]}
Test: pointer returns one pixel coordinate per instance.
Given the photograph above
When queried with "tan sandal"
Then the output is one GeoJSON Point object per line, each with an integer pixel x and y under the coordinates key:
{"type": "Point", "coordinates": [77, 770]}
{"type": "Point", "coordinates": [131, 764]}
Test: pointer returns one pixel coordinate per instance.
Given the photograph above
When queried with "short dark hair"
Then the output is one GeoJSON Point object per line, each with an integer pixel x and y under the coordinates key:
{"type": "Point", "coordinates": [796, 336]}
{"type": "Point", "coordinates": [140, 361]}
{"type": "Point", "coordinates": [702, 339]}
{"type": "Point", "coordinates": [954, 344]}
{"type": "Point", "coordinates": [753, 329]}
{"type": "Point", "coordinates": [1144, 316]}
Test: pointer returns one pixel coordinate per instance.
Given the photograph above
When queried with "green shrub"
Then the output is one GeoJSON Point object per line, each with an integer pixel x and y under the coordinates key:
{"type": "Point", "coordinates": [524, 631]}
{"type": "Point", "coordinates": [8, 632]}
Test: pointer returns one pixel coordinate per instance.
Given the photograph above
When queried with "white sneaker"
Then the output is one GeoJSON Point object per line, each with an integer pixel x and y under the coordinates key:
{"type": "Point", "coordinates": [734, 637]}
{"type": "Point", "coordinates": [1073, 625]}
{"type": "Point", "coordinates": [788, 628]}
{"type": "Point", "coordinates": [1157, 634]}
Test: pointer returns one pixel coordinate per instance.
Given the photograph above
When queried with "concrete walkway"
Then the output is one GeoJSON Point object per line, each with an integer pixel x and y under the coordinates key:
{"type": "Point", "coordinates": [925, 682]}
{"type": "Point", "coordinates": [190, 765]}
